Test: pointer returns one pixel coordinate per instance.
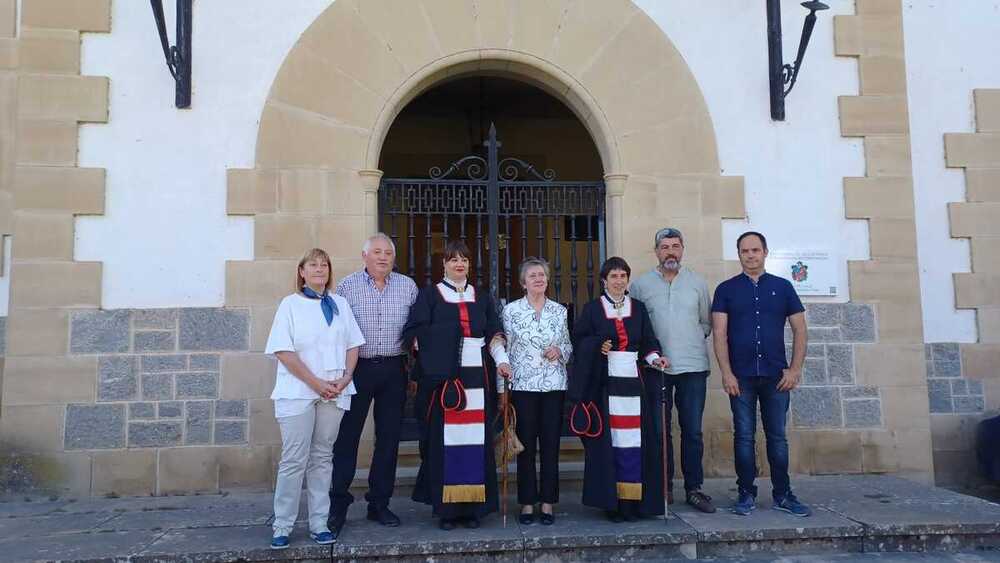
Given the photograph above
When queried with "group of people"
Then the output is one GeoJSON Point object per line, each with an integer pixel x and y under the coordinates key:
{"type": "Point", "coordinates": [638, 350]}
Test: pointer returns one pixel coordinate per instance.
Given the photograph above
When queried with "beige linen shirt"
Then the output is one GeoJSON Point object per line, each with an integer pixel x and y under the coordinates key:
{"type": "Point", "coordinates": [681, 316]}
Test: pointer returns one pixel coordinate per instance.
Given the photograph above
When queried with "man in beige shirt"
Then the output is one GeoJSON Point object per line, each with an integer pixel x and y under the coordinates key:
{"type": "Point", "coordinates": [678, 302]}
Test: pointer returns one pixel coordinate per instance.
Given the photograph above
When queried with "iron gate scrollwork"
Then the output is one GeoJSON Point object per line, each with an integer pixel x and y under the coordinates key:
{"type": "Point", "coordinates": [505, 209]}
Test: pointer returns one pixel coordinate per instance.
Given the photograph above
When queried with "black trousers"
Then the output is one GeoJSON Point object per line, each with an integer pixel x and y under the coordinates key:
{"type": "Point", "coordinates": [382, 380]}
{"type": "Point", "coordinates": [539, 424]}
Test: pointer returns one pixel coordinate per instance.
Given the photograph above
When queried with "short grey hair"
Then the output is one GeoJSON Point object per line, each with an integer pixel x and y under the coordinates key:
{"type": "Point", "coordinates": [667, 232]}
{"type": "Point", "coordinates": [378, 236]}
{"type": "Point", "coordinates": [531, 262]}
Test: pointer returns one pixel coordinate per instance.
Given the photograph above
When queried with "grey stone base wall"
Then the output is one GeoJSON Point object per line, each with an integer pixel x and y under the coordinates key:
{"type": "Point", "coordinates": [958, 403]}
{"type": "Point", "coordinates": [829, 397]}
{"type": "Point", "coordinates": [157, 378]}
{"type": "Point", "coordinates": [949, 391]}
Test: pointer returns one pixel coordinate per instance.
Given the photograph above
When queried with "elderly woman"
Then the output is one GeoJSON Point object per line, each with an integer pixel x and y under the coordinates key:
{"type": "Point", "coordinates": [539, 348]}
{"type": "Point", "coordinates": [622, 465]}
{"type": "Point", "coordinates": [450, 324]}
{"type": "Point", "coordinates": [316, 340]}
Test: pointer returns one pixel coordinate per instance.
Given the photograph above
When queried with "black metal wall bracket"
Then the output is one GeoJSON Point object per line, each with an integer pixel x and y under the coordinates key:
{"type": "Point", "coordinates": [178, 56]}
{"type": "Point", "coordinates": [783, 76]}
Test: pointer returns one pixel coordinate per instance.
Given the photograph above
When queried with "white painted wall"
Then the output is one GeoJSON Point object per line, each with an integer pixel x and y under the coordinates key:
{"type": "Point", "coordinates": [951, 48]}
{"type": "Point", "coordinates": [793, 170]}
{"type": "Point", "coordinates": [165, 236]}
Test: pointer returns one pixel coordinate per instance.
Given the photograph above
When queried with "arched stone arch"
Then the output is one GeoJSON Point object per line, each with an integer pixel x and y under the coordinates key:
{"type": "Point", "coordinates": [361, 61]}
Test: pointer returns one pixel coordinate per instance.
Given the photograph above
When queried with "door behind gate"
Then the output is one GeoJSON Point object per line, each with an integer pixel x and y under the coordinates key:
{"type": "Point", "coordinates": [505, 210]}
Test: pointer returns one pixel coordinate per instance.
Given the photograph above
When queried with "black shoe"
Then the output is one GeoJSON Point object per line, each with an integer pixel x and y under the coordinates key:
{"type": "Point", "coordinates": [383, 515]}
{"type": "Point", "coordinates": [547, 519]}
{"type": "Point", "coordinates": [471, 522]}
{"type": "Point", "coordinates": [446, 524]}
{"type": "Point", "coordinates": [526, 518]}
{"type": "Point", "coordinates": [335, 522]}
{"type": "Point", "coordinates": [701, 501]}
{"type": "Point", "coordinates": [614, 516]}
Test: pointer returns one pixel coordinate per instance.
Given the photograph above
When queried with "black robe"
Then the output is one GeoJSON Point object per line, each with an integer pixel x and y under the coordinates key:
{"type": "Point", "coordinates": [589, 382]}
{"type": "Point", "coordinates": [436, 325]}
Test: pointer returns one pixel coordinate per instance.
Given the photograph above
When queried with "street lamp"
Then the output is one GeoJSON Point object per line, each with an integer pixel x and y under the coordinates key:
{"type": "Point", "coordinates": [178, 56]}
{"type": "Point", "coordinates": [782, 74]}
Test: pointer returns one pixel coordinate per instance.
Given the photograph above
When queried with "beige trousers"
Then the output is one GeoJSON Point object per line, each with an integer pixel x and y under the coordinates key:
{"type": "Point", "coordinates": [306, 452]}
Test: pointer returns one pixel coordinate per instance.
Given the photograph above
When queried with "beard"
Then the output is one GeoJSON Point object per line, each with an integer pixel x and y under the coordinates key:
{"type": "Point", "coordinates": [671, 264]}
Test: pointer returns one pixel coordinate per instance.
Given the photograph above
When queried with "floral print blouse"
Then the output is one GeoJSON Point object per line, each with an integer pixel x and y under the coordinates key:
{"type": "Point", "coordinates": [528, 335]}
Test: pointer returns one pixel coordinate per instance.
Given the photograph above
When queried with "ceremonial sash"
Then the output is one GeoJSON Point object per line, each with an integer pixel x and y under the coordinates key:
{"type": "Point", "coordinates": [465, 437]}
{"type": "Point", "coordinates": [624, 410]}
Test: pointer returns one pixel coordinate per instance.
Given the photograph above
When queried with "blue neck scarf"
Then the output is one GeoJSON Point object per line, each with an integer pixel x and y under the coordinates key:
{"type": "Point", "coordinates": [326, 303]}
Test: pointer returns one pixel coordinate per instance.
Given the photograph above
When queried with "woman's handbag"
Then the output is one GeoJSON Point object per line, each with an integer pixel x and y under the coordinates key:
{"type": "Point", "coordinates": [507, 444]}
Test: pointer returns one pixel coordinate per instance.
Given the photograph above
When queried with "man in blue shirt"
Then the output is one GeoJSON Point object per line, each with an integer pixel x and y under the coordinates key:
{"type": "Point", "coordinates": [748, 320]}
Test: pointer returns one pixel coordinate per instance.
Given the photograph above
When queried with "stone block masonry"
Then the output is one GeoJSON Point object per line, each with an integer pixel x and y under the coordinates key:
{"type": "Point", "coordinates": [829, 397]}
{"type": "Point", "coordinates": [947, 388]}
{"type": "Point", "coordinates": [158, 378]}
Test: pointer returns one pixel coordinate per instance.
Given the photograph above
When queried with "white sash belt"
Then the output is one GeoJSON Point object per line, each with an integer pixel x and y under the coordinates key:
{"type": "Point", "coordinates": [472, 355]}
{"type": "Point", "coordinates": [623, 364]}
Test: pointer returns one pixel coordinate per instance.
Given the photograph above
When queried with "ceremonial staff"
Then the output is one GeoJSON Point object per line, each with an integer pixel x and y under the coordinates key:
{"type": "Point", "coordinates": [505, 448]}
{"type": "Point", "coordinates": [663, 440]}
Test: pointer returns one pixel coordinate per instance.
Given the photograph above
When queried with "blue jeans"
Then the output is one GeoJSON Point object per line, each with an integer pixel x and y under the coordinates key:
{"type": "Point", "coordinates": [773, 414]}
{"type": "Point", "coordinates": [687, 392]}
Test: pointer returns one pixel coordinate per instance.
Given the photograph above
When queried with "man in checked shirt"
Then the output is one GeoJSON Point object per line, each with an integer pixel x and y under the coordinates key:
{"type": "Point", "coordinates": [380, 299]}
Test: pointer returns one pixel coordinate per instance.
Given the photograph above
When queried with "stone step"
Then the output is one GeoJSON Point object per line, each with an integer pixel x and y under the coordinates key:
{"type": "Point", "coordinates": [852, 515]}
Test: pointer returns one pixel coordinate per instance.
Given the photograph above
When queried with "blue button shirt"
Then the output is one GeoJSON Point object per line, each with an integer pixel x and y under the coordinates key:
{"type": "Point", "coordinates": [756, 328]}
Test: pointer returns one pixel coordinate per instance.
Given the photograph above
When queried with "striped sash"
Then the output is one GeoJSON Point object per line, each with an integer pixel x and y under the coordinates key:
{"type": "Point", "coordinates": [465, 436]}
{"type": "Point", "coordinates": [624, 410]}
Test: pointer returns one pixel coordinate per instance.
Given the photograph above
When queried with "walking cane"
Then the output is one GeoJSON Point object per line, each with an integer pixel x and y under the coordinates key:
{"type": "Point", "coordinates": [663, 440]}
{"type": "Point", "coordinates": [505, 450]}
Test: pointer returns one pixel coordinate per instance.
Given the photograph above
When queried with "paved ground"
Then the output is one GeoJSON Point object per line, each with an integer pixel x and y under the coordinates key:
{"type": "Point", "coordinates": [937, 557]}
{"type": "Point", "coordinates": [852, 514]}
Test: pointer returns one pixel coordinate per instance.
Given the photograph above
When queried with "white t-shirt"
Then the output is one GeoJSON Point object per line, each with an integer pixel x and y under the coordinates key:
{"type": "Point", "coordinates": [299, 326]}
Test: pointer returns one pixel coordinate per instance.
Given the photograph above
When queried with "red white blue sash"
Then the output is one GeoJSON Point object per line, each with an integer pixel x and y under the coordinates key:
{"type": "Point", "coordinates": [465, 435]}
{"type": "Point", "coordinates": [625, 412]}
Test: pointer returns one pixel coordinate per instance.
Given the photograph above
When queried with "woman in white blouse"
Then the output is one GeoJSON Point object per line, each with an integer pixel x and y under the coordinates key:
{"type": "Point", "coordinates": [539, 348]}
{"type": "Point", "coordinates": [316, 340]}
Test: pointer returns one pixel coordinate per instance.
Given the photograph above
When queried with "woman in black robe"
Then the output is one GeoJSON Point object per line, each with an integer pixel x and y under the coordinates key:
{"type": "Point", "coordinates": [623, 471]}
{"type": "Point", "coordinates": [450, 323]}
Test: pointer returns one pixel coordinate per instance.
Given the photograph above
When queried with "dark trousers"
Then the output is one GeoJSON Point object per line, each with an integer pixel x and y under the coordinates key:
{"type": "Point", "coordinates": [384, 381]}
{"type": "Point", "coordinates": [539, 421]}
{"type": "Point", "coordinates": [686, 391]}
{"type": "Point", "coordinates": [773, 415]}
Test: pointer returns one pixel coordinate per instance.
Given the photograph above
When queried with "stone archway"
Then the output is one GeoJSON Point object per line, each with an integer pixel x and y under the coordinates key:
{"type": "Point", "coordinates": [361, 61]}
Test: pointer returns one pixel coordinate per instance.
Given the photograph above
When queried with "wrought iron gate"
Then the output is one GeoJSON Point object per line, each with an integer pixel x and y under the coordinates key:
{"type": "Point", "coordinates": [505, 210]}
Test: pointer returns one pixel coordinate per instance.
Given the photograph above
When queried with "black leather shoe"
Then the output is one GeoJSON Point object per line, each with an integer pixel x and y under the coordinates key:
{"type": "Point", "coordinates": [471, 522]}
{"type": "Point", "coordinates": [526, 518]}
{"type": "Point", "coordinates": [446, 524]}
{"type": "Point", "coordinates": [615, 516]}
{"type": "Point", "coordinates": [547, 519]}
{"type": "Point", "coordinates": [383, 516]}
{"type": "Point", "coordinates": [335, 522]}
{"type": "Point", "coordinates": [701, 501]}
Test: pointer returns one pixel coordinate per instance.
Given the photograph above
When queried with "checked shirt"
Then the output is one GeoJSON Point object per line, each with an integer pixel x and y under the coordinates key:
{"type": "Point", "coordinates": [380, 314]}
